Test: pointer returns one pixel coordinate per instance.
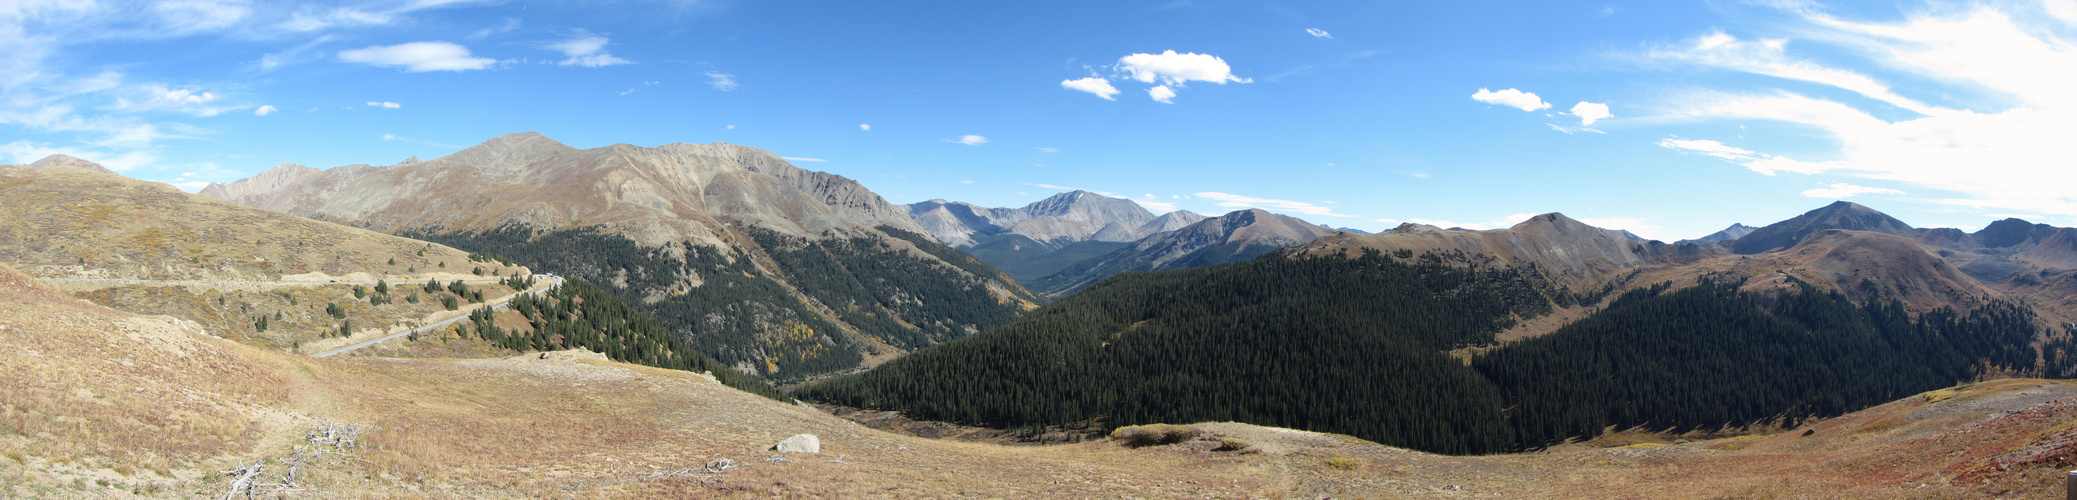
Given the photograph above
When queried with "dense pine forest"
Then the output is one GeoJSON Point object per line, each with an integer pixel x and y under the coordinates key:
{"type": "Point", "coordinates": [1349, 345]}
{"type": "Point", "coordinates": [1357, 346]}
{"type": "Point", "coordinates": [578, 314]}
{"type": "Point", "coordinates": [1707, 356]}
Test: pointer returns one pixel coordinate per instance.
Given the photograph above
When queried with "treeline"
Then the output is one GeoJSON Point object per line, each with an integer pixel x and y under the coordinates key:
{"type": "Point", "coordinates": [1342, 345]}
{"type": "Point", "coordinates": [1357, 346]}
{"type": "Point", "coordinates": [578, 314]}
{"type": "Point", "coordinates": [713, 300]}
{"type": "Point", "coordinates": [721, 304]}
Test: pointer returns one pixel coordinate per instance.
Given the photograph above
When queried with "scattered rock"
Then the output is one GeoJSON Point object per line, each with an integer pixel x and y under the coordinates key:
{"type": "Point", "coordinates": [799, 443]}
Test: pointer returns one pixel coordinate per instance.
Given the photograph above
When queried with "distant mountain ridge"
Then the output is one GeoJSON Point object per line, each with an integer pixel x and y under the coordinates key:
{"type": "Point", "coordinates": [1730, 233]}
{"type": "Point", "coordinates": [1056, 221]}
{"type": "Point", "coordinates": [1041, 238]}
{"type": "Point", "coordinates": [1236, 236]}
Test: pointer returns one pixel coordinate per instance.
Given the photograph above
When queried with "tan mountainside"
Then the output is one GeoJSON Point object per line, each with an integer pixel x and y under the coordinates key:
{"type": "Point", "coordinates": [107, 403]}
{"type": "Point", "coordinates": [1867, 265]}
{"type": "Point", "coordinates": [655, 195]}
{"type": "Point", "coordinates": [82, 225]}
{"type": "Point", "coordinates": [146, 247]}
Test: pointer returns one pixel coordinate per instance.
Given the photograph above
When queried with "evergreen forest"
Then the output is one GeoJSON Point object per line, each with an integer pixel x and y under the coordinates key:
{"type": "Point", "coordinates": [1359, 346]}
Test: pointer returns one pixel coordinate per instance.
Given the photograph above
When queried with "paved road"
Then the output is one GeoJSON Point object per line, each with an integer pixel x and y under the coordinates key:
{"type": "Point", "coordinates": [494, 306]}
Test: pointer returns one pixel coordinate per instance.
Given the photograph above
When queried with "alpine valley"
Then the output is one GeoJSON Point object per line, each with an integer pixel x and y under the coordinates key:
{"type": "Point", "coordinates": [655, 318]}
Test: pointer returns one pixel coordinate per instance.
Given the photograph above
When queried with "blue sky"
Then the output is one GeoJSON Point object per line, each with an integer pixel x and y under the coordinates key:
{"type": "Point", "coordinates": [1670, 119]}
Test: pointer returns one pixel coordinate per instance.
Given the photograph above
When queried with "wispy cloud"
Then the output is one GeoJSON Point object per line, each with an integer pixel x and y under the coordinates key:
{"type": "Point", "coordinates": [721, 81]}
{"type": "Point", "coordinates": [418, 57]}
{"type": "Point", "coordinates": [384, 104]}
{"type": "Point", "coordinates": [970, 140]}
{"type": "Point", "coordinates": [2017, 158]}
{"type": "Point", "coordinates": [587, 50]}
{"type": "Point", "coordinates": [1226, 200]}
{"type": "Point", "coordinates": [264, 111]}
{"type": "Point", "coordinates": [796, 158]}
{"type": "Point", "coordinates": [1318, 33]}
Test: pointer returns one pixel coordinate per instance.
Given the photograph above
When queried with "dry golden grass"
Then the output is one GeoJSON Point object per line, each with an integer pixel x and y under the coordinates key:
{"type": "Point", "coordinates": [69, 223]}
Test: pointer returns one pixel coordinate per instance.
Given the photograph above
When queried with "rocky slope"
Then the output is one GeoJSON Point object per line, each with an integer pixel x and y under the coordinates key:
{"type": "Point", "coordinates": [1730, 233]}
{"type": "Point", "coordinates": [780, 271]}
{"type": "Point", "coordinates": [1236, 236]}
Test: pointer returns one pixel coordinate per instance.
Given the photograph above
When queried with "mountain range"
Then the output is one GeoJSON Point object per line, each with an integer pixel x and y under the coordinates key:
{"type": "Point", "coordinates": [780, 271]}
{"type": "Point", "coordinates": [1070, 240]}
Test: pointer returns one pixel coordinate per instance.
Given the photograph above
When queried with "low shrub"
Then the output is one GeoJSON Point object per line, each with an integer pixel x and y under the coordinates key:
{"type": "Point", "coordinates": [1154, 434]}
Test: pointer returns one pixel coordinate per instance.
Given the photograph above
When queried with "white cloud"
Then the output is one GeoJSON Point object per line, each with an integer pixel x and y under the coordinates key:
{"type": "Point", "coordinates": [1099, 86]}
{"type": "Point", "coordinates": [1237, 201]}
{"type": "Point", "coordinates": [1589, 112]}
{"type": "Point", "coordinates": [1632, 224]}
{"type": "Point", "coordinates": [793, 158]}
{"type": "Point", "coordinates": [2065, 10]}
{"type": "Point", "coordinates": [1512, 98]}
{"type": "Point", "coordinates": [1769, 57]}
{"type": "Point", "coordinates": [966, 182]}
{"type": "Point", "coordinates": [972, 140]}
{"type": "Point", "coordinates": [418, 57]}
{"type": "Point", "coordinates": [1053, 186]}
{"type": "Point", "coordinates": [1047, 150]}
{"type": "Point", "coordinates": [731, 127]}
{"type": "Point", "coordinates": [721, 81]}
{"type": "Point", "coordinates": [863, 126]}
{"type": "Point", "coordinates": [1318, 33]}
{"type": "Point", "coordinates": [1842, 190]}
{"type": "Point", "coordinates": [587, 50]}
{"type": "Point", "coordinates": [1162, 93]}
{"type": "Point", "coordinates": [384, 104]}
{"type": "Point", "coordinates": [264, 111]}
{"type": "Point", "coordinates": [1176, 69]}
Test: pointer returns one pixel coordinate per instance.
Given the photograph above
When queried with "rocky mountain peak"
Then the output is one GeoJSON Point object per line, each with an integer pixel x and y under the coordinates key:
{"type": "Point", "coordinates": [1838, 215]}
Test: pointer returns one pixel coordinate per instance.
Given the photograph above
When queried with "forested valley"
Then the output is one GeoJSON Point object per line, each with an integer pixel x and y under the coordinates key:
{"type": "Point", "coordinates": [1358, 346]}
